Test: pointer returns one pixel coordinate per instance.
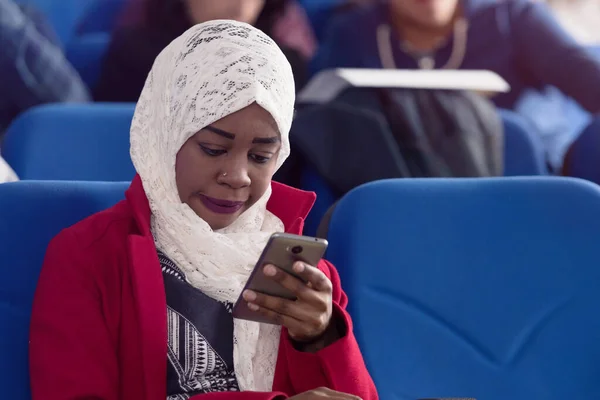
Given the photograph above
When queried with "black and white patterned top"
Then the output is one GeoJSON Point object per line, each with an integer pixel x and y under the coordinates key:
{"type": "Point", "coordinates": [200, 338]}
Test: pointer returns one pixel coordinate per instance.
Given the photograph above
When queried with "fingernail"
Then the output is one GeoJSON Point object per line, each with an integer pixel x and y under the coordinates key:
{"type": "Point", "coordinates": [270, 270]}
{"type": "Point", "coordinates": [252, 307]}
{"type": "Point", "coordinates": [299, 267]}
{"type": "Point", "coordinates": [249, 295]}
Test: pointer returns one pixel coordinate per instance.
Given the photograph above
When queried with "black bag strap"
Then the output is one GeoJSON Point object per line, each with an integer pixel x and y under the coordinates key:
{"type": "Point", "coordinates": [323, 228]}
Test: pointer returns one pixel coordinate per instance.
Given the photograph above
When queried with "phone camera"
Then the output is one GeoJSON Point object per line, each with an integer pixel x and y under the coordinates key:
{"type": "Point", "coordinates": [297, 249]}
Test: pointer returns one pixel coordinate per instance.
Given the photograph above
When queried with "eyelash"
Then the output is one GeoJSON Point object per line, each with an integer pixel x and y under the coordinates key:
{"type": "Point", "coordinates": [212, 152]}
{"type": "Point", "coordinates": [215, 153]}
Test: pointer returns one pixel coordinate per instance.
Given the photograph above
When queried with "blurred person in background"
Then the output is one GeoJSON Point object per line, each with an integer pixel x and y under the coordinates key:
{"type": "Point", "coordinates": [33, 68]}
{"type": "Point", "coordinates": [139, 40]}
{"type": "Point", "coordinates": [519, 39]}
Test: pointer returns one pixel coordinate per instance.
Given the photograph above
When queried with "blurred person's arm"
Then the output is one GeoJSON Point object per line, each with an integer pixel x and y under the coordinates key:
{"type": "Point", "coordinates": [33, 70]}
{"type": "Point", "coordinates": [551, 56]}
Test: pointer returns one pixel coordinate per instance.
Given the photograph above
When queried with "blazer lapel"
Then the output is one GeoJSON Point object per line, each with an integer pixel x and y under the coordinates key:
{"type": "Point", "coordinates": [296, 227]}
{"type": "Point", "coordinates": [151, 303]}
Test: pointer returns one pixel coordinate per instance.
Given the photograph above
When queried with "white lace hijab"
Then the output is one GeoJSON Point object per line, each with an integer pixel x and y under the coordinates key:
{"type": "Point", "coordinates": [213, 70]}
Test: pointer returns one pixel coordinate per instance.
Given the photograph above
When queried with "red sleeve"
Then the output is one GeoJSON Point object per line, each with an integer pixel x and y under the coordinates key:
{"type": "Point", "coordinates": [70, 346]}
{"type": "Point", "coordinates": [339, 366]}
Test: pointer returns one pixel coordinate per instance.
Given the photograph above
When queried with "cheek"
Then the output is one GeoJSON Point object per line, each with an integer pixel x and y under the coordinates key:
{"type": "Point", "coordinates": [181, 176]}
{"type": "Point", "coordinates": [261, 179]}
{"type": "Point", "coordinates": [192, 171]}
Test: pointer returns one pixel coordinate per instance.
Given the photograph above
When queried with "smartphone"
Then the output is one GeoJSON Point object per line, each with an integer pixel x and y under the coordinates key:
{"type": "Point", "coordinates": [282, 250]}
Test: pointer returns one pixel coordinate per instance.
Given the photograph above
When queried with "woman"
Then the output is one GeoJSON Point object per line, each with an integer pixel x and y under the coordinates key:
{"type": "Point", "coordinates": [520, 40]}
{"type": "Point", "coordinates": [133, 49]}
{"type": "Point", "coordinates": [210, 130]}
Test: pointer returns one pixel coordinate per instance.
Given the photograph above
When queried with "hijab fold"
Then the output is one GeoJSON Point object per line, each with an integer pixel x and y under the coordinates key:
{"type": "Point", "coordinates": [213, 70]}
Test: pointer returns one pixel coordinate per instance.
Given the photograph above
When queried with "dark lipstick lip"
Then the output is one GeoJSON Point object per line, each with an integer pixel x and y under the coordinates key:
{"type": "Point", "coordinates": [220, 206]}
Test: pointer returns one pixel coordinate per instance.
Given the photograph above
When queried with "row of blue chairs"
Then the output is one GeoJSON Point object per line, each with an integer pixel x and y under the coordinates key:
{"type": "Point", "coordinates": [483, 288]}
{"type": "Point", "coordinates": [87, 142]}
{"type": "Point", "coordinates": [94, 144]}
{"type": "Point", "coordinates": [91, 143]}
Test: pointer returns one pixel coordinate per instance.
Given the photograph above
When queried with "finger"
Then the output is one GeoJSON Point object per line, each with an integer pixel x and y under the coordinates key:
{"type": "Point", "coordinates": [276, 318]}
{"type": "Point", "coordinates": [317, 279]}
{"type": "Point", "coordinates": [279, 305]}
{"type": "Point", "coordinates": [290, 282]}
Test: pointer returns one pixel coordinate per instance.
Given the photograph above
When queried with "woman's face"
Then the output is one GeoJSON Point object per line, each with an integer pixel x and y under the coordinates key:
{"type": "Point", "coordinates": [223, 170]}
{"type": "Point", "coordinates": [240, 10]}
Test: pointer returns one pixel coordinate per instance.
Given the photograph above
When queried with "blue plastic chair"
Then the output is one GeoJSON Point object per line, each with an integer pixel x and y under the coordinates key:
{"type": "Point", "coordinates": [71, 142]}
{"type": "Point", "coordinates": [483, 288]}
{"type": "Point", "coordinates": [86, 53]}
{"type": "Point", "coordinates": [524, 153]}
{"type": "Point", "coordinates": [31, 214]}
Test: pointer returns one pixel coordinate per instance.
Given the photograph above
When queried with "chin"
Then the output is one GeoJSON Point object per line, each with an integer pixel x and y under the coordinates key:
{"type": "Point", "coordinates": [221, 221]}
{"type": "Point", "coordinates": [218, 225]}
{"type": "Point", "coordinates": [214, 219]}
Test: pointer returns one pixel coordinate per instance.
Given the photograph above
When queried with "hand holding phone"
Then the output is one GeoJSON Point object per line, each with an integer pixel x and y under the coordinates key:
{"type": "Point", "coordinates": [294, 293]}
{"type": "Point", "coordinates": [309, 315]}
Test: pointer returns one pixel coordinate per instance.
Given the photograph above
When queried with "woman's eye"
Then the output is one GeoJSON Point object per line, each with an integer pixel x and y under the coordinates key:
{"type": "Point", "coordinates": [212, 152]}
{"type": "Point", "coordinates": [259, 159]}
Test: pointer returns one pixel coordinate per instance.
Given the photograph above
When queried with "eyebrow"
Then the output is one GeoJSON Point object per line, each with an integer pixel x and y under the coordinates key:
{"type": "Point", "coordinates": [231, 136]}
{"type": "Point", "coordinates": [220, 132]}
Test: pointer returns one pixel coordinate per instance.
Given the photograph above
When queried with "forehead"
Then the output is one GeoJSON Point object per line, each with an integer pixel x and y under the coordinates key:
{"type": "Point", "coordinates": [252, 120]}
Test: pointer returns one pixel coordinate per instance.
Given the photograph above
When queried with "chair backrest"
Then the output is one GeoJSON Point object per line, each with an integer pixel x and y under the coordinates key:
{"type": "Point", "coordinates": [484, 288]}
{"type": "Point", "coordinates": [31, 214]}
{"type": "Point", "coordinates": [524, 153]}
{"type": "Point", "coordinates": [71, 142]}
{"type": "Point", "coordinates": [86, 53]}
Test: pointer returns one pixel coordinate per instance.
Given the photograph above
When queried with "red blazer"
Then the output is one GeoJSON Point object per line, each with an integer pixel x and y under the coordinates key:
{"type": "Point", "coordinates": [99, 328]}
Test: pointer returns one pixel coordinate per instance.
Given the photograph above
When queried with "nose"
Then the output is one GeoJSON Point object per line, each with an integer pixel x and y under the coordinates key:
{"type": "Point", "coordinates": [235, 173]}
